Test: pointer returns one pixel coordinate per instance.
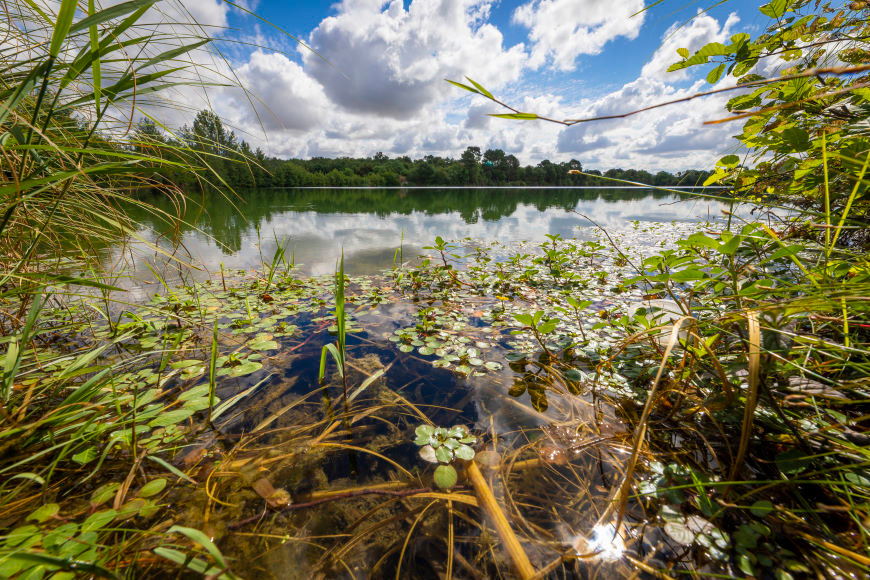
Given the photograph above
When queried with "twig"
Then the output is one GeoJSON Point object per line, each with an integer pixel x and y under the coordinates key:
{"type": "Point", "coordinates": [808, 73]}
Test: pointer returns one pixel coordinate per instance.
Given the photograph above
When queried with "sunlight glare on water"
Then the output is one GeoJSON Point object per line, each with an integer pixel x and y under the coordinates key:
{"type": "Point", "coordinates": [605, 543]}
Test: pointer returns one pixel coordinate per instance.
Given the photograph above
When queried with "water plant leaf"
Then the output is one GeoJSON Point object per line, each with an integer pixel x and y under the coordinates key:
{"type": "Point", "coordinates": [263, 345]}
{"type": "Point", "coordinates": [99, 520]}
{"type": "Point", "coordinates": [152, 488]}
{"type": "Point", "coordinates": [171, 417]}
{"type": "Point", "coordinates": [445, 476]}
{"type": "Point", "coordinates": [680, 533]}
{"type": "Point", "coordinates": [104, 493]}
{"type": "Point", "coordinates": [203, 540]}
{"type": "Point", "coordinates": [444, 454]}
{"type": "Point", "coordinates": [792, 461]}
{"type": "Point", "coordinates": [86, 455]}
{"type": "Point", "coordinates": [493, 366]}
{"type": "Point", "coordinates": [761, 508]}
{"type": "Point", "coordinates": [245, 368]}
{"type": "Point", "coordinates": [464, 452]}
{"type": "Point", "coordinates": [457, 431]}
{"type": "Point", "coordinates": [427, 453]}
{"type": "Point", "coordinates": [44, 513]}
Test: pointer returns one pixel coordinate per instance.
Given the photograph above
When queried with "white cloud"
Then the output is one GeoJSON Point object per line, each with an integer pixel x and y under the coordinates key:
{"type": "Point", "coordinates": [392, 62]}
{"type": "Point", "coordinates": [394, 98]}
{"type": "Point", "coordinates": [672, 137]}
{"type": "Point", "coordinates": [287, 99]}
{"type": "Point", "coordinates": [562, 30]}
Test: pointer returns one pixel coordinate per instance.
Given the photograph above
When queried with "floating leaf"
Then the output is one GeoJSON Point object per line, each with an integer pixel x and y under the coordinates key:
{"type": "Point", "coordinates": [263, 345]}
{"type": "Point", "coordinates": [245, 368]}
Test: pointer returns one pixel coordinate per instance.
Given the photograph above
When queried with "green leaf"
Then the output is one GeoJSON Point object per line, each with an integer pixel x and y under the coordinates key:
{"type": "Point", "coordinates": [444, 454]}
{"type": "Point", "coordinates": [246, 368]}
{"type": "Point", "coordinates": [62, 26]}
{"type": "Point", "coordinates": [104, 493]}
{"type": "Point", "coordinates": [461, 86]}
{"type": "Point", "coordinates": [109, 13]}
{"type": "Point", "coordinates": [683, 52]}
{"type": "Point", "coordinates": [680, 533]}
{"type": "Point", "coordinates": [761, 508]}
{"type": "Point", "coordinates": [775, 9]}
{"type": "Point", "coordinates": [464, 452]}
{"type": "Point", "coordinates": [729, 161]}
{"type": "Point", "coordinates": [171, 418]}
{"type": "Point", "coordinates": [458, 431]}
{"type": "Point", "coordinates": [480, 89]}
{"type": "Point", "coordinates": [85, 456]}
{"type": "Point", "coordinates": [792, 461]}
{"type": "Point", "coordinates": [445, 476]}
{"type": "Point", "coordinates": [517, 116]}
{"type": "Point", "coordinates": [524, 319]}
{"type": "Point", "coordinates": [714, 75]}
{"type": "Point", "coordinates": [204, 541]}
{"type": "Point", "coordinates": [263, 345]}
{"type": "Point", "coordinates": [152, 488]}
{"type": "Point", "coordinates": [44, 513]}
{"type": "Point", "coordinates": [98, 520]}
{"type": "Point", "coordinates": [548, 326]}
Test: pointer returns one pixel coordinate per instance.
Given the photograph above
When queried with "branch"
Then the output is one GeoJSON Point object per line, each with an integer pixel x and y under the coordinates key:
{"type": "Point", "coordinates": [517, 114]}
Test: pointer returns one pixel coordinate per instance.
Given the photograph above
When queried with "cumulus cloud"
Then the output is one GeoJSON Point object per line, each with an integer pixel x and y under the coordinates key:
{"type": "Point", "coordinates": [287, 97]}
{"type": "Point", "coordinates": [382, 88]}
{"type": "Point", "coordinates": [673, 137]}
{"type": "Point", "coordinates": [392, 61]}
{"type": "Point", "coordinates": [562, 30]}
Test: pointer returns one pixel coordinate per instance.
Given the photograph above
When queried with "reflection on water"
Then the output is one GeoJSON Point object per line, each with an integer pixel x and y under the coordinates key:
{"type": "Point", "coordinates": [314, 226]}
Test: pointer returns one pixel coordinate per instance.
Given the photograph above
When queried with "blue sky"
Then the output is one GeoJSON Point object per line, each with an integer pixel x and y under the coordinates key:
{"type": "Point", "coordinates": [383, 88]}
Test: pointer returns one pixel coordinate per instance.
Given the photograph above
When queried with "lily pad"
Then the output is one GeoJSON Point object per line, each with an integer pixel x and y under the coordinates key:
{"type": "Point", "coordinates": [263, 345]}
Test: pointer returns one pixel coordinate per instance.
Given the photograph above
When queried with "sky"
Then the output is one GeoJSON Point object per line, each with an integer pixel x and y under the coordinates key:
{"type": "Point", "coordinates": [370, 77]}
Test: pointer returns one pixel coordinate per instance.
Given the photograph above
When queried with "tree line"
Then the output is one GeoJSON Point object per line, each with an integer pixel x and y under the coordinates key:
{"type": "Point", "coordinates": [226, 160]}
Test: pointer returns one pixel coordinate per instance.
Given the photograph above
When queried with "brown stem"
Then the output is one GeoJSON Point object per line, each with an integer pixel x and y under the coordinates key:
{"type": "Point", "coordinates": [345, 495]}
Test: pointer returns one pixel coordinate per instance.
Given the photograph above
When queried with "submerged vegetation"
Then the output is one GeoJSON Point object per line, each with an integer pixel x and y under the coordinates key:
{"type": "Point", "coordinates": [658, 399]}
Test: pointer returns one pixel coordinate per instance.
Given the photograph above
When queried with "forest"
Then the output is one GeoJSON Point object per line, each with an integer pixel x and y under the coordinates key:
{"type": "Point", "coordinates": [239, 167]}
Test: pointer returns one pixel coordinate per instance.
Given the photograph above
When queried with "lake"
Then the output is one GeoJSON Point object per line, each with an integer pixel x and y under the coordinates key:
{"type": "Point", "coordinates": [511, 337]}
{"type": "Point", "coordinates": [368, 225]}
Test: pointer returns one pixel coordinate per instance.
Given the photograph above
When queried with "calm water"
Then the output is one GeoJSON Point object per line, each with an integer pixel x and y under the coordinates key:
{"type": "Point", "coordinates": [368, 225]}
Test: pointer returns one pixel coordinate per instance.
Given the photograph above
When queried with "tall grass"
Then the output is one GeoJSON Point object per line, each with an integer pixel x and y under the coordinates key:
{"type": "Point", "coordinates": [74, 77]}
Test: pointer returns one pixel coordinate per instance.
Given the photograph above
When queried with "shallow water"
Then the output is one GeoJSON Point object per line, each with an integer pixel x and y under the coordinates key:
{"type": "Point", "coordinates": [567, 440]}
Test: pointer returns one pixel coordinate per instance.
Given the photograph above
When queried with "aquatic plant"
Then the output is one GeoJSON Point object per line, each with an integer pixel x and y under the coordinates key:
{"type": "Point", "coordinates": [441, 445]}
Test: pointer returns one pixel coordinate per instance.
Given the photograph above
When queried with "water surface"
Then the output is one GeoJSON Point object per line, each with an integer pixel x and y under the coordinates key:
{"type": "Point", "coordinates": [315, 225]}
